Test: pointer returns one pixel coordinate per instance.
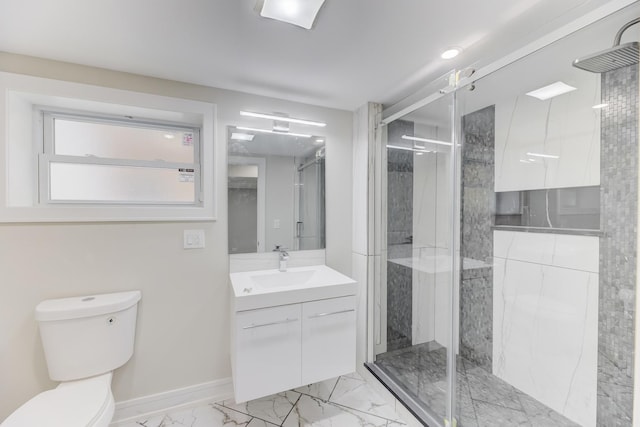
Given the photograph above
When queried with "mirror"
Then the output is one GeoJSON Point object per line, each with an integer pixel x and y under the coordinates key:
{"type": "Point", "coordinates": [276, 191]}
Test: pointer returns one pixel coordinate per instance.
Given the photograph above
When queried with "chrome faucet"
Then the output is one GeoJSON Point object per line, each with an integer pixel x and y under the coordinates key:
{"type": "Point", "coordinates": [284, 256]}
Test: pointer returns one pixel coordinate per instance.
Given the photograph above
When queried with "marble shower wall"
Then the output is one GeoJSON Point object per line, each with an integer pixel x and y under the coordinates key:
{"type": "Point", "coordinates": [545, 319]}
{"type": "Point", "coordinates": [565, 127]}
{"type": "Point", "coordinates": [476, 285]}
{"type": "Point", "coordinates": [399, 236]}
{"type": "Point", "coordinates": [618, 218]}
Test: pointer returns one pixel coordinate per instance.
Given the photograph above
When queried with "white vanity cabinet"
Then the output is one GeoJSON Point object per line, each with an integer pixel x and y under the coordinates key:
{"type": "Point", "coordinates": [290, 328]}
{"type": "Point", "coordinates": [284, 347]}
{"type": "Point", "coordinates": [328, 338]}
{"type": "Point", "coordinates": [268, 352]}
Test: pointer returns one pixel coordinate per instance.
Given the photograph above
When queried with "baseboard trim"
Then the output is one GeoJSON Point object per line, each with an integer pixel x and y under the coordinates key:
{"type": "Point", "coordinates": [214, 391]}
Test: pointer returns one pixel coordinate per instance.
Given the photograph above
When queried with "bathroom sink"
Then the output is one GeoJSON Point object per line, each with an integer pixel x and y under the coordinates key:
{"type": "Point", "coordinates": [268, 288]}
{"type": "Point", "coordinates": [282, 279]}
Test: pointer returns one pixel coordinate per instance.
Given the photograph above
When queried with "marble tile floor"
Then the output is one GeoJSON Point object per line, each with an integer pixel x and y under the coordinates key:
{"type": "Point", "coordinates": [484, 400]}
{"type": "Point", "coordinates": [347, 401]}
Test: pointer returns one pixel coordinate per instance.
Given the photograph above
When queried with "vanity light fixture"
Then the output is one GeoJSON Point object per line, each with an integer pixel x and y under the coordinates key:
{"type": "Point", "coordinates": [299, 135]}
{"type": "Point", "coordinates": [297, 12]}
{"type": "Point", "coordinates": [545, 156]}
{"type": "Point", "coordinates": [599, 106]}
{"type": "Point", "coordinates": [242, 136]}
{"type": "Point", "coordinates": [550, 91]}
{"type": "Point", "coordinates": [451, 53]}
{"type": "Point", "coordinates": [432, 141]}
{"type": "Point", "coordinates": [282, 118]}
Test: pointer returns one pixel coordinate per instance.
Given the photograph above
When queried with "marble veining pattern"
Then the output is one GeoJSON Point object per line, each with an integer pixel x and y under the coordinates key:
{"type": "Point", "coordinates": [545, 320]}
{"type": "Point", "coordinates": [483, 399]}
{"type": "Point", "coordinates": [348, 401]}
{"type": "Point", "coordinates": [555, 127]}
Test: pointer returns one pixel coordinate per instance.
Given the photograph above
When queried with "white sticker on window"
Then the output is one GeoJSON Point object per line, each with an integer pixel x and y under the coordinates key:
{"type": "Point", "coordinates": [187, 139]}
{"type": "Point", "coordinates": [186, 175]}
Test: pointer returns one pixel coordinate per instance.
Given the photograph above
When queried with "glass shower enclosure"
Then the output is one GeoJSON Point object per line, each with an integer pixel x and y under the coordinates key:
{"type": "Point", "coordinates": [508, 234]}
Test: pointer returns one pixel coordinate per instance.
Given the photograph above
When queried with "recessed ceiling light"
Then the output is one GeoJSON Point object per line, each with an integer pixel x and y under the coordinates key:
{"type": "Point", "coordinates": [432, 141]}
{"type": "Point", "coordinates": [282, 118]}
{"type": "Point", "coordinates": [599, 106]}
{"type": "Point", "coordinates": [300, 135]}
{"type": "Point", "coordinates": [242, 136]}
{"type": "Point", "coordinates": [550, 91]}
{"type": "Point", "coordinates": [297, 12]}
{"type": "Point", "coordinates": [451, 53]}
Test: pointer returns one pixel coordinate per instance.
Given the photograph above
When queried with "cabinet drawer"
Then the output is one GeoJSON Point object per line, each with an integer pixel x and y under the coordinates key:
{"type": "Point", "coordinates": [268, 351]}
{"type": "Point", "coordinates": [328, 338]}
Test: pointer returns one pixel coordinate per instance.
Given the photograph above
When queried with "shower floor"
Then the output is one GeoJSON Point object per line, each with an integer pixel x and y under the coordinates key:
{"type": "Point", "coordinates": [484, 400]}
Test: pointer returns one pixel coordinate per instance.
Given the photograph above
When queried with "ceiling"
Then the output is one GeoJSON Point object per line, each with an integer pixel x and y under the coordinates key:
{"type": "Point", "coordinates": [358, 50]}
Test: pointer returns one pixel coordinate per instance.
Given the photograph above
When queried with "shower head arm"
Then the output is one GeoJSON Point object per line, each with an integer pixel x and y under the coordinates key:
{"type": "Point", "coordinates": [616, 41]}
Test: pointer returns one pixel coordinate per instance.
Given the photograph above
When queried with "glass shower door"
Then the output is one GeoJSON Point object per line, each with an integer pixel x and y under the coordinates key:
{"type": "Point", "coordinates": [414, 338]}
{"type": "Point", "coordinates": [549, 174]}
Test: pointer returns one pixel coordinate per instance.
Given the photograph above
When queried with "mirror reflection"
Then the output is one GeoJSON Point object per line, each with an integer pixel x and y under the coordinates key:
{"type": "Point", "coordinates": [276, 191]}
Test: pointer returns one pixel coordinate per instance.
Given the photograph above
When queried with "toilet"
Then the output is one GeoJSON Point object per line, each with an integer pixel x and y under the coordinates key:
{"type": "Point", "coordinates": [84, 340]}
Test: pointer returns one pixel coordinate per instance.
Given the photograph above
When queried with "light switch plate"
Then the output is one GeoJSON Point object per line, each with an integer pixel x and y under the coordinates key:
{"type": "Point", "coordinates": [193, 239]}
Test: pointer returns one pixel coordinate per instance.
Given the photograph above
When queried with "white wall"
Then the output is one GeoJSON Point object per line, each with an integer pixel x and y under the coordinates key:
{"type": "Point", "coordinates": [183, 326]}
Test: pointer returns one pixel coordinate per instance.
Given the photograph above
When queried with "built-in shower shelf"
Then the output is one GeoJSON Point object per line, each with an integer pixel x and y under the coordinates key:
{"type": "Point", "coordinates": [572, 231]}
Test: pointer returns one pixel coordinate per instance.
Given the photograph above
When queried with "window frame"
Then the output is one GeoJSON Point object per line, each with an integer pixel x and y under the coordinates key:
{"type": "Point", "coordinates": [47, 155]}
{"type": "Point", "coordinates": [21, 139]}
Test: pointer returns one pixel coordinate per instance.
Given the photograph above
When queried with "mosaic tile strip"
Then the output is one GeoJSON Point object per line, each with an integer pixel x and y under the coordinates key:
{"type": "Point", "coordinates": [619, 210]}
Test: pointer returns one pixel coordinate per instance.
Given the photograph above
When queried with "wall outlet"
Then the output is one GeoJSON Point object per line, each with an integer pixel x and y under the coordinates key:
{"type": "Point", "coordinates": [193, 239]}
{"type": "Point", "coordinates": [276, 223]}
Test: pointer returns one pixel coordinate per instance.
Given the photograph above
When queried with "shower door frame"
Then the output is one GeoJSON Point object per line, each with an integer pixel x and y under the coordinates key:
{"type": "Point", "coordinates": [379, 312]}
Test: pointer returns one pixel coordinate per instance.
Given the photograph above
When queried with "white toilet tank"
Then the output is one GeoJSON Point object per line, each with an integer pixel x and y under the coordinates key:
{"type": "Point", "coordinates": [87, 336]}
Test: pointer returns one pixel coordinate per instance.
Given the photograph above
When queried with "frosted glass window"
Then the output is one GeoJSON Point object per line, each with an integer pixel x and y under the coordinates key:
{"type": "Point", "coordinates": [119, 141]}
{"type": "Point", "coordinates": [73, 182]}
{"type": "Point", "coordinates": [118, 160]}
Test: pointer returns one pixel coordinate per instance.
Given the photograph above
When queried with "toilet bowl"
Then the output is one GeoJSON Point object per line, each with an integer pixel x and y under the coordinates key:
{"type": "Point", "coordinates": [84, 340]}
{"type": "Point", "coordinates": [86, 403]}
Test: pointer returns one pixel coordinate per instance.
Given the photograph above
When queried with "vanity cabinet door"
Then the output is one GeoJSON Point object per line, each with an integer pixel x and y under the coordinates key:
{"type": "Point", "coordinates": [328, 338]}
{"type": "Point", "coordinates": [268, 346]}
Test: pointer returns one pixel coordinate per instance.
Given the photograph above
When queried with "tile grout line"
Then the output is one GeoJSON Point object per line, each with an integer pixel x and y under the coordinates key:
{"type": "Point", "coordinates": [466, 382]}
{"type": "Point", "coordinates": [334, 389]}
{"type": "Point", "coordinates": [291, 410]}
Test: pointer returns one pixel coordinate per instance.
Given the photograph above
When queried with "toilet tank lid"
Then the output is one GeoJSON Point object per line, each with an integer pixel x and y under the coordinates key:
{"type": "Point", "coordinates": [85, 306]}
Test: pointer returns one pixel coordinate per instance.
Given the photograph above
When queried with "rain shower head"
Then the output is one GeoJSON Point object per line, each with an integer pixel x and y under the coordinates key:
{"type": "Point", "coordinates": [613, 58]}
{"type": "Point", "coordinates": [609, 59]}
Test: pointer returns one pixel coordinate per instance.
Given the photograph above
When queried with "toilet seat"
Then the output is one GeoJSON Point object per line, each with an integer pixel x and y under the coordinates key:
{"type": "Point", "coordinates": [83, 403]}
